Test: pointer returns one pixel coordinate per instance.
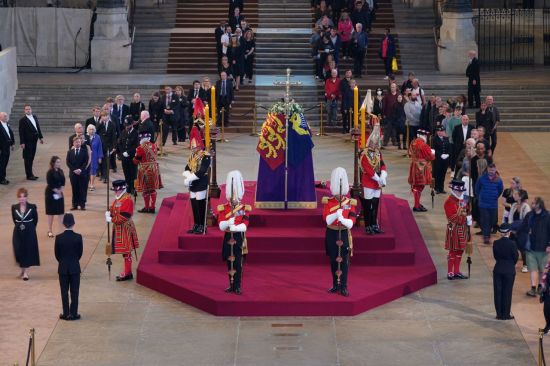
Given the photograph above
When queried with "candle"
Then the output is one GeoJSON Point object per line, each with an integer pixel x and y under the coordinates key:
{"type": "Point", "coordinates": [213, 103]}
{"type": "Point", "coordinates": [355, 107]}
{"type": "Point", "coordinates": [363, 127]}
{"type": "Point", "coordinates": [206, 128]}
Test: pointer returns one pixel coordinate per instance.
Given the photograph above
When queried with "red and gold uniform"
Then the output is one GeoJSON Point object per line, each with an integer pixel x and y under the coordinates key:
{"type": "Point", "coordinates": [124, 236]}
{"type": "Point", "coordinates": [373, 178]}
{"type": "Point", "coordinates": [233, 220]}
{"type": "Point", "coordinates": [148, 176]}
{"type": "Point", "coordinates": [420, 171]}
{"type": "Point", "coordinates": [457, 235]}
{"type": "Point", "coordinates": [339, 229]}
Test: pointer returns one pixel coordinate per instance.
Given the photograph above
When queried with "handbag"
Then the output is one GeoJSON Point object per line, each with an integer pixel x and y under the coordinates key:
{"type": "Point", "coordinates": [394, 67]}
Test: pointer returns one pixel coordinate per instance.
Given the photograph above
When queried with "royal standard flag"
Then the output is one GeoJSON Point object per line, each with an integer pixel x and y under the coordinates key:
{"type": "Point", "coordinates": [300, 143]}
{"type": "Point", "coordinates": [272, 144]}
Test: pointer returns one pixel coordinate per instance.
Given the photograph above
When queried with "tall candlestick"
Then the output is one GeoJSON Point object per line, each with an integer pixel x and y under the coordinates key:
{"type": "Point", "coordinates": [355, 107]}
{"type": "Point", "coordinates": [213, 104]}
{"type": "Point", "coordinates": [206, 128]}
{"type": "Point", "coordinates": [363, 127]}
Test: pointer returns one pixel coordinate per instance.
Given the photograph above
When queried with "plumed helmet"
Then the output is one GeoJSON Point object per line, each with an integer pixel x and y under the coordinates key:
{"type": "Point", "coordinates": [339, 181]}
{"type": "Point", "coordinates": [234, 185]}
{"type": "Point", "coordinates": [373, 142]}
{"type": "Point", "coordinates": [198, 111]}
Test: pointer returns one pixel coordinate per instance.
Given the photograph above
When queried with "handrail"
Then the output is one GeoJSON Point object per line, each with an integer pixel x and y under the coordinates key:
{"type": "Point", "coordinates": [436, 39]}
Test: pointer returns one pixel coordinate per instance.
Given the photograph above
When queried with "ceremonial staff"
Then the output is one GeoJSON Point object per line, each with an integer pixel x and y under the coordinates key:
{"type": "Point", "coordinates": [432, 183]}
{"type": "Point", "coordinates": [339, 242]}
{"type": "Point", "coordinates": [232, 240]}
{"type": "Point", "coordinates": [469, 245]}
{"type": "Point", "coordinates": [108, 247]}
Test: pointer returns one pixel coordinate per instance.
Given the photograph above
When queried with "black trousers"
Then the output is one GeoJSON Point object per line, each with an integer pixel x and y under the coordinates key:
{"type": "Point", "coordinates": [387, 65]}
{"type": "Point", "coordinates": [503, 285]}
{"type": "Point", "coordinates": [79, 185]}
{"type": "Point", "coordinates": [389, 133]}
{"type": "Point", "coordinates": [440, 168]}
{"type": "Point", "coordinates": [130, 173]}
{"type": "Point", "coordinates": [4, 159]}
{"type": "Point", "coordinates": [473, 95]}
{"type": "Point", "coordinates": [166, 126]}
{"type": "Point", "coordinates": [199, 211]}
{"type": "Point", "coordinates": [69, 282]}
{"type": "Point", "coordinates": [358, 62]}
{"type": "Point", "coordinates": [224, 103]}
{"type": "Point", "coordinates": [346, 115]}
{"type": "Point", "coordinates": [493, 137]}
{"type": "Point", "coordinates": [249, 67]}
{"type": "Point", "coordinates": [344, 266]}
{"type": "Point", "coordinates": [237, 266]}
{"type": "Point", "coordinates": [547, 309]}
{"type": "Point", "coordinates": [28, 157]}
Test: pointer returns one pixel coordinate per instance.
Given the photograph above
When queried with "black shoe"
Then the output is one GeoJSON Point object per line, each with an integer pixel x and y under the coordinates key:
{"type": "Point", "coordinates": [151, 210]}
{"type": "Point", "coordinates": [174, 143]}
{"type": "Point", "coordinates": [229, 289]}
{"type": "Point", "coordinates": [74, 317]}
{"type": "Point", "coordinates": [422, 208]}
{"type": "Point", "coordinates": [509, 317]}
{"type": "Point", "coordinates": [238, 291]}
{"type": "Point", "coordinates": [333, 289]}
{"type": "Point", "coordinates": [125, 278]}
{"type": "Point", "coordinates": [546, 329]}
{"type": "Point", "coordinates": [494, 231]}
{"type": "Point", "coordinates": [416, 209]}
{"type": "Point", "coordinates": [32, 178]}
{"type": "Point", "coordinates": [83, 208]}
{"type": "Point", "coordinates": [144, 210]}
{"type": "Point", "coordinates": [376, 229]}
{"type": "Point", "coordinates": [74, 208]}
{"type": "Point", "coordinates": [460, 276]}
{"type": "Point", "coordinates": [193, 229]}
{"type": "Point", "coordinates": [450, 276]}
{"type": "Point", "coordinates": [64, 317]}
{"type": "Point", "coordinates": [5, 182]}
{"type": "Point", "coordinates": [368, 230]}
{"type": "Point", "coordinates": [344, 292]}
{"type": "Point", "coordinates": [200, 230]}
{"type": "Point", "coordinates": [498, 317]}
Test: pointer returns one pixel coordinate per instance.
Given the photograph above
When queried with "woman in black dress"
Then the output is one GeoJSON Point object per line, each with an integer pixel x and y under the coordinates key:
{"type": "Point", "coordinates": [55, 203]}
{"type": "Point", "coordinates": [236, 58]}
{"type": "Point", "coordinates": [136, 107]}
{"type": "Point", "coordinates": [249, 48]}
{"type": "Point", "coordinates": [25, 242]}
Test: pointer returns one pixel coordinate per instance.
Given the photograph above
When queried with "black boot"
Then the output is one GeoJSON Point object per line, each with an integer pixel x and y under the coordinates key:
{"type": "Point", "coordinates": [201, 213]}
{"type": "Point", "coordinates": [374, 216]}
{"type": "Point", "coordinates": [195, 219]}
{"type": "Point", "coordinates": [367, 214]}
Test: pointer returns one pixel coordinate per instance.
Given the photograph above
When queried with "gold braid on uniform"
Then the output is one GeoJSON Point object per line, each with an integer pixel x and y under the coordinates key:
{"type": "Point", "coordinates": [373, 159]}
{"type": "Point", "coordinates": [194, 161]}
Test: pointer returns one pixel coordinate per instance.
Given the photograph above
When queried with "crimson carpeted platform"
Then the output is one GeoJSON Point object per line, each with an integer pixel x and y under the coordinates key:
{"type": "Point", "coordinates": [286, 271]}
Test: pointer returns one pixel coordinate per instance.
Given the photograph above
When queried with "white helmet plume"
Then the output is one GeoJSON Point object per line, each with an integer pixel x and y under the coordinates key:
{"type": "Point", "coordinates": [235, 179]}
{"type": "Point", "coordinates": [338, 176]}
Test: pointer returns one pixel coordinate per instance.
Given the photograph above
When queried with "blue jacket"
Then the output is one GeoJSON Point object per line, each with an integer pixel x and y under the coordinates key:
{"type": "Point", "coordinates": [488, 191]}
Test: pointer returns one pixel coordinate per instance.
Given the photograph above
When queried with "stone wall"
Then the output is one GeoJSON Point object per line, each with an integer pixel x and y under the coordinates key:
{"type": "Point", "coordinates": [8, 75]}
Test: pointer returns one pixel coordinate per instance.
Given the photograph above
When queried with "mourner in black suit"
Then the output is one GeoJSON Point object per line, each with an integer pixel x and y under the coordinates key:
{"type": "Point", "coordinates": [235, 19]}
{"type": "Point", "coordinates": [127, 145]}
{"type": "Point", "coordinates": [195, 92]}
{"type": "Point", "coordinates": [68, 251]}
{"type": "Point", "coordinates": [170, 104]}
{"type": "Point", "coordinates": [505, 253]}
{"type": "Point", "coordinates": [94, 120]}
{"type": "Point", "coordinates": [474, 83]}
{"type": "Point", "coordinates": [119, 113]}
{"type": "Point", "coordinates": [442, 148]}
{"type": "Point", "coordinates": [459, 138]}
{"type": "Point", "coordinates": [107, 133]}
{"type": "Point", "coordinates": [146, 126]}
{"type": "Point", "coordinates": [218, 33]}
{"type": "Point", "coordinates": [29, 135]}
{"type": "Point", "coordinates": [235, 4]}
{"type": "Point", "coordinates": [77, 161]}
{"type": "Point", "coordinates": [156, 112]}
{"type": "Point", "coordinates": [224, 91]}
{"type": "Point", "coordinates": [7, 143]}
{"type": "Point", "coordinates": [25, 241]}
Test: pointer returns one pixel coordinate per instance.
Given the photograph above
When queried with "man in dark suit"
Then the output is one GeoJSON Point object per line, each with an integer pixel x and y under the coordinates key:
{"type": "Point", "coordinates": [146, 125]}
{"type": "Point", "coordinates": [442, 148]}
{"type": "Point", "coordinates": [474, 83]}
{"type": "Point", "coordinates": [77, 161]}
{"type": "Point", "coordinates": [235, 19]}
{"type": "Point", "coordinates": [224, 91]}
{"type": "Point", "coordinates": [119, 113]}
{"type": "Point", "coordinates": [235, 4]}
{"type": "Point", "coordinates": [68, 251]}
{"type": "Point", "coordinates": [94, 120]}
{"type": "Point", "coordinates": [195, 92]}
{"type": "Point", "coordinates": [505, 252]}
{"type": "Point", "coordinates": [7, 144]}
{"type": "Point", "coordinates": [127, 145]}
{"type": "Point", "coordinates": [107, 133]}
{"type": "Point", "coordinates": [170, 102]}
{"type": "Point", "coordinates": [29, 135]}
{"type": "Point", "coordinates": [460, 134]}
{"type": "Point", "coordinates": [218, 33]}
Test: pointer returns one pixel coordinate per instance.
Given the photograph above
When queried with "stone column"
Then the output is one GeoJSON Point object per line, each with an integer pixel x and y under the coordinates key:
{"type": "Point", "coordinates": [457, 36]}
{"type": "Point", "coordinates": [111, 35]}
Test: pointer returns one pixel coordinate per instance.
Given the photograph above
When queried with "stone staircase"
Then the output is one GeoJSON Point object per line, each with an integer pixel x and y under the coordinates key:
{"type": "Point", "coordinates": [275, 52]}
{"type": "Point", "coordinates": [59, 107]}
{"type": "Point", "coordinates": [209, 13]}
{"type": "Point", "coordinates": [152, 37]}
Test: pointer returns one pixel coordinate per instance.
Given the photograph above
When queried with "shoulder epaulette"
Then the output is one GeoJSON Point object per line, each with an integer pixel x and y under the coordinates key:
{"type": "Point", "coordinates": [324, 201]}
{"type": "Point", "coordinates": [221, 208]}
{"type": "Point", "coordinates": [247, 208]}
{"type": "Point", "coordinates": [353, 202]}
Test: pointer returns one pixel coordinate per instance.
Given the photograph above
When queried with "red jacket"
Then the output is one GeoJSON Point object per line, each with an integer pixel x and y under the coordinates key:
{"type": "Point", "coordinates": [420, 171]}
{"type": "Point", "coordinates": [457, 231]}
{"type": "Point", "coordinates": [332, 87]}
{"type": "Point", "coordinates": [332, 205]}
{"type": "Point", "coordinates": [368, 171]}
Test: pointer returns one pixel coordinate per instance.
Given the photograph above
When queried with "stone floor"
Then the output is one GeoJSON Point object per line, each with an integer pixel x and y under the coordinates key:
{"type": "Point", "coordinates": [451, 323]}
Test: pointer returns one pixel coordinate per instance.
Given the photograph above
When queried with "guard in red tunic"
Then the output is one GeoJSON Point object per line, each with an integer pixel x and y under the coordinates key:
{"type": "Point", "coordinates": [233, 217]}
{"type": "Point", "coordinates": [420, 171]}
{"type": "Point", "coordinates": [124, 236]}
{"type": "Point", "coordinates": [339, 216]}
{"type": "Point", "coordinates": [197, 128]}
{"type": "Point", "coordinates": [373, 178]}
{"type": "Point", "coordinates": [457, 229]}
{"type": "Point", "coordinates": [148, 176]}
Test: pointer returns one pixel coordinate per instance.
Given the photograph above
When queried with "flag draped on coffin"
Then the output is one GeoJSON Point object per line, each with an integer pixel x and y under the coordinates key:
{"type": "Point", "coordinates": [270, 189]}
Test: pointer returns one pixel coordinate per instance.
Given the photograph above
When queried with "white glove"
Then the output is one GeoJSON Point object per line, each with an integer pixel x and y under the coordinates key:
{"type": "Point", "coordinates": [331, 218]}
{"type": "Point", "coordinates": [241, 228]}
{"type": "Point", "coordinates": [186, 174]}
{"type": "Point", "coordinates": [339, 212]}
{"type": "Point", "coordinates": [433, 151]}
{"type": "Point", "coordinates": [186, 182]}
{"type": "Point", "coordinates": [469, 220]}
{"type": "Point", "coordinates": [224, 225]}
{"type": "Point", "coordinates": [108, 216]}
{"type": "Point", "coordinates": [376, 177]}
{"type": "Point", "coordinates": [125, 154]}
{"type": "Point", "coordinates": [444, 156]}
{"type": "Point", "coordinates": [382, 182]}
{"type": "Point", "coordinates": [346, 222]}
{"type": "Point", "coordinates": [383, 175]}
{"type": "Point", "coordinates": [192, 178]}
{"type": "Point", "coordinates": [231, 221]}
